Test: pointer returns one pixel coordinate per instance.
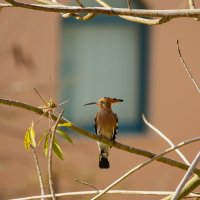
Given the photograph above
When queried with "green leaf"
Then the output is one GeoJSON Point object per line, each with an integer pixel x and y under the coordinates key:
{"type": "Point", "coordinates": [29, 138]}
{"type": "Point", "coordinates": [64, 135]}
{"type": "Point", "coordinates": [26, 141]}
{"type": "Point", "coordinates": [57, 150]}
{"type": "Point", "coordinates": [41, 137]}
{"type": "Point", "coordinates": [66, 124]}
{"type": "Point", "coordinates": [32, 137]}
{"type": "Point", "coordinates": [46, 145]}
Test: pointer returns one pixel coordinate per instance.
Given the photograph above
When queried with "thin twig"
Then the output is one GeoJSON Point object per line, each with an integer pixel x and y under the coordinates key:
{"type": "Point", "coordinates": [137, 168]}
{"type": "Point", "coordinates": [39, 173]}
{"type": "Point", "coordinates": [6, 5]}
{"type": "Point", "coordinates": [51, 185]}
{"type": "Point", "coordinates": [129, 4]}
{"type": "Point", "coordinates": [62, 103]}
{"type": "Point", "coordinates": [55, 3]}
{"type": "Point", "coordinates": [86, 17]}
{"type": "Point", "coordinates": [187, 176]}
{"type": "Point", "coordinates": [124, 192]}
{"type": "Point", "coordinates": [79, 3]}
{"type": "Point", "coordinates": [94, 14]}
{"type": "Point", "coordinates": [162, 135]}
{"type": "Point", "coordinates": [47, 2]}
{"type": "Point", "coordinates": [191, 185]}
{"type": "Point", "coordinates": [87, 184]}
{"type": "Point", "coordinates": [191, 4]}
{"type": "Point", "coordinates": [40, 97]}
{"type": "Point", "coordinates": [109, 11]}
{"type": "Point", "coordinates": [134, 19]}
{"type": "Point", "coordinates": [186, 67]}
{"type": "Point", "coordinates": [81, 131]}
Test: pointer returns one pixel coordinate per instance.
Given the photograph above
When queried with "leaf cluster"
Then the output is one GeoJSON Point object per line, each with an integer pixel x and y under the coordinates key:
{"type": "Point", "coordinates": [30, 140]}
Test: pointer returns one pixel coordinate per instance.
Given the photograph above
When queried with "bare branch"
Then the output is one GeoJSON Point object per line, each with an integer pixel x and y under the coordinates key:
{"type": "Point", "coordinates": [5, 5]}
{"type": "Point", "coordinates": [48, 2]}
{"type": "Point", "coordinates": [118, 145]}
{"type": "Point", "coordinates": [192, 4]}
{"type": "Point", "coordinates": [187, 176]}
{"type": "Point", "coordinates": [79, 3]}
{"type": "Point", "coordinates": [191, 185]}
{"type": "Point", "coordinates": [129, 4]}
{"type": "Point", "coordinates": [136, 19]}
{"type": "Point", "coordinates": [162, 135]}
{"type": "Point", "coordinates": [166, 15]}
{"type": "Point", "coordinates": [40, 96]}
{"type": "Point", "coordinates": [54, 2]}
{"type": "Point", "coordinates": [39, 173]}
{"type": "Point", "coordinates": [146, 21]}
{"type": "Point", "coordinates": [125, 192]}
{"type": "Point", "coordinates": [52, 137]}
{"type": "Point", "coordinates": [137, 168]}
{"type": "Point", "coordinates": [87, 17]}
{"type": "Point", "coordinates": [87, 184]}
{"type": "Point", "coordinates": [186, 67]}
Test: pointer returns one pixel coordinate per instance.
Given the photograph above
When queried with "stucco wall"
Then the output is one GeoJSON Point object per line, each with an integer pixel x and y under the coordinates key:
{"type": "Point", "coordinates": [174, 107]}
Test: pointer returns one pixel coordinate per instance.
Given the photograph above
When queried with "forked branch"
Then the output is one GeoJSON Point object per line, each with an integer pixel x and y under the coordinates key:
{"type": "Point", "coordinates": [138, 167]}
{"type": "Point", "coordinates": [186, 177]}
{"type": "Point", "coordinates": [145, 16]}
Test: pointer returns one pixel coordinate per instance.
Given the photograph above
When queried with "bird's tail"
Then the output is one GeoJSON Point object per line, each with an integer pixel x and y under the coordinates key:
{"type": "Point", "coordinates": [103, 161]}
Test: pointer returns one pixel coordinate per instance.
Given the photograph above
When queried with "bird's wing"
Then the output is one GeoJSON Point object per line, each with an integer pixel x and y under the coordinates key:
{"type": "Point", "coordinates": [95, 124]}
{"type": "Point", "coordinates": [116, 127]}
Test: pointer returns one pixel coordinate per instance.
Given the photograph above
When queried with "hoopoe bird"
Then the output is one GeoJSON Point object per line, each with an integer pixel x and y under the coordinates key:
{"type": "Point", "coordinates": [106, 125]}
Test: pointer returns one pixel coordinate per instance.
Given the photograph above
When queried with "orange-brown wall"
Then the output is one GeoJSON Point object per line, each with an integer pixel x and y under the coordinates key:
{"type": "Point", "coordinates": [173, 107]}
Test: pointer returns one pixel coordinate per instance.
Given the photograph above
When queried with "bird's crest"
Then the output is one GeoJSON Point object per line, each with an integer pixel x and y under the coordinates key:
{"type": "Point", "coordinates": [107, 100]}
{"type": "Point", "coordinates": [110, 100]}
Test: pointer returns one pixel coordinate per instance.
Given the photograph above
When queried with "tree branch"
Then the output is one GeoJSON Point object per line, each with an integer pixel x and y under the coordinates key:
{"type": "Point", "coordinates": [118, 145]}
{"type": "Point", "coordinates": [135, 19]}
{"type": "Point", "coordinates": [189, 187]}
{"type": "Point", "coordinates": [162, 135]}
{"type": "Point", "coordinates": [192, 4]}
{"type": "Point", "coordinates": [52, 137]}
{"type": "Point", "coordinates": [39, 172]}
{"type": "Point", "coordinates": [186, 177]}
{"type": "Point", "coordinates": [186, 67]}
{"type": "Point", "coordinates": [138, 167]}
{"type": "Point", "coordinates": [124, 192]}
{"type": "Point", "coordinates": [87, 184]}
{"type": "Point", "coordinates": [5, 5]}
{"type": "Point", "coordinates": [165, 15]}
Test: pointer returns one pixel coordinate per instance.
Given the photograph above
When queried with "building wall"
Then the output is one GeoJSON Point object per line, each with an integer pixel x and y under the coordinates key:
{"type": "Point", "coordinates": [174, 107]}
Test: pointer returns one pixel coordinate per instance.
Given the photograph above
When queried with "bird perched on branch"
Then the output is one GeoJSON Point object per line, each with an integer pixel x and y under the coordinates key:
{"type": "Point", "coordinates": [106, 125]}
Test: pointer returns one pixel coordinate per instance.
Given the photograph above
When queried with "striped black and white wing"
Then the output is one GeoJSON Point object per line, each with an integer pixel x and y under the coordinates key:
{"type": "Point", "coordinates": [116, 127]}
{"type": "Point", "coordinates": [95, 124]}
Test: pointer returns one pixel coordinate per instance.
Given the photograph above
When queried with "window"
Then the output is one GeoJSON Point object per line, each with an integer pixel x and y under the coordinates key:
{"type": "Point", "coordinates": [104, 57]}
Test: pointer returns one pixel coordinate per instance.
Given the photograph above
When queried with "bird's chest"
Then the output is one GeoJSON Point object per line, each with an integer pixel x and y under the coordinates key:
{"type": "Point", "coordinates": [106, 124]}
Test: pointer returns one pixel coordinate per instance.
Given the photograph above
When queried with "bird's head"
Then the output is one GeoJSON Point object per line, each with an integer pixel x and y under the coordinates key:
{"type": "Point", "coordinates": [105, 102]}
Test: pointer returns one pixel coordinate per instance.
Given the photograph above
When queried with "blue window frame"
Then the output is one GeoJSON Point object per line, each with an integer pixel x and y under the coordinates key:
{"type": "Point", "coordinates": [106, 56]}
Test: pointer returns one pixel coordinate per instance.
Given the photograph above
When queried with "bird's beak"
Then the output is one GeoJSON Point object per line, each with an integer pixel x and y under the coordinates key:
{"type": "Point", "coordinates": [92, 103]}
